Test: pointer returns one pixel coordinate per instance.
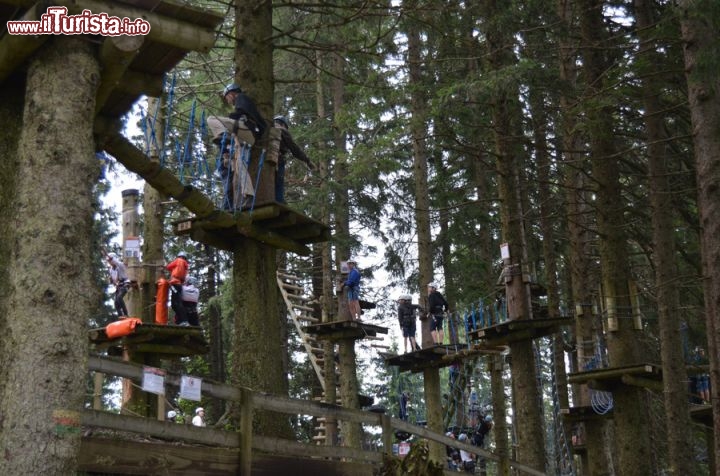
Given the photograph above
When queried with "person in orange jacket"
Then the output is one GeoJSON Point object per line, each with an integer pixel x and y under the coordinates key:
{"type": "Point", "coordinates": [178, 272]}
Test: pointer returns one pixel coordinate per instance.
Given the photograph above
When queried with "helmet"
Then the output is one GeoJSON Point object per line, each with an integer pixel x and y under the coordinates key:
{"type": "Point", "coordinates": [450, 434]}
{"type": "Point", "coordinates": [405, 297]}
{"type": "Point", "coordinates": [283, 120]}
{"type": "Point", "coordinates": [190, 281]}
{"type": "Point", "coordinates": [199, 409]}
{"type": "Point", "coordinates": [230, 88]}
{"type": "Point", "coordinates": [462, 437]}
{"type": "Point", "coordinates": [171, 414]}
{"type": "Point", "coordinates": [488, 418]}
{"type": "Point", "coordinates": [433, 285]}
{"type": "Point", "coordinates": [182, 254]}
{"type": "Point", "coordinates": [112, 256]}
{"type": "Point", "coordinates": [351, 260]}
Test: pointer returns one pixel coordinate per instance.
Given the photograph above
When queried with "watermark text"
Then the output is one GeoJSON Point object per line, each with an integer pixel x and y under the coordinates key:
{"type": "Point", "coordinates": [56, 21]}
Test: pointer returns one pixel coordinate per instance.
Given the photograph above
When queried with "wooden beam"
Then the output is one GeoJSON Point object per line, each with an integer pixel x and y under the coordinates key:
{"type": "Point", "coordinates": [292, 448]}
{"type": "Point", "coordinates": [136, 84]}
{"type": "Point", "coordinates": [163, 29]}
{"type": "Point", "coordinates": [116, 54]}
{"type": "Point", "coordinates": [15, 49]}
{"type": "Point", "coordinates": [654, 385]}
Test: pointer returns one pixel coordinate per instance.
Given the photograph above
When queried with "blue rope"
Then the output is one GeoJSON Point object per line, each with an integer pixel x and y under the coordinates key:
{"type": "Point", "coordinates": [171, 98]}
{"type": "Point", "coordinates": [186, 157]}
{"type": "Point", "coordinates": [257, 180]}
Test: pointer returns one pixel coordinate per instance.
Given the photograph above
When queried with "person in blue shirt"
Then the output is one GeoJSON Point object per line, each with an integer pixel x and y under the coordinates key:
{"type": "Point", "coordinates": [352, 283]}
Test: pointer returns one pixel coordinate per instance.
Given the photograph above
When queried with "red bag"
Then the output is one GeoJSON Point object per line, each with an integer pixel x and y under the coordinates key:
{"type": "Point", "coordinates": [122, 327]}
{"type": "Point", "coordinates": [161, 298]}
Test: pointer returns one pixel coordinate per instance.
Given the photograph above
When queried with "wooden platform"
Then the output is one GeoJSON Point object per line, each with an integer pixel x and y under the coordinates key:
{"type": "Point", "coordinates": [437, 356]}
{"type": "Point", "coordinates": [169, 342]}
{"type": "Point", "coordinates": [702, 414]}
{"type": "Point", "coordinates": [507, 332]}
{"type": "Point", "coordinates": [642, 375]}
{"type": "Point", "coordinates": [580, 414]}
{"type": "Point", "coordinates": [337, 330]}
{"type": "Point", "coordinates": [275, 224]}
{"type": "Point", "coordinates": [127, 72]}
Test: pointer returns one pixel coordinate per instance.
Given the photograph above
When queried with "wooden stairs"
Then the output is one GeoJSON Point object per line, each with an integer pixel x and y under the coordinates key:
{"type": "Point", "coordinates": [299, 309]}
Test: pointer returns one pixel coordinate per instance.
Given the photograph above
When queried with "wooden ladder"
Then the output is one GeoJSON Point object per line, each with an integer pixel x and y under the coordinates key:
{"type": "Point", "coordinates": [298, 307]}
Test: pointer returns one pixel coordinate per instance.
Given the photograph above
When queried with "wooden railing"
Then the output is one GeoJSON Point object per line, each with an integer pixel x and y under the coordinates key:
{"type": "Point", "coordinates": [244, 439]}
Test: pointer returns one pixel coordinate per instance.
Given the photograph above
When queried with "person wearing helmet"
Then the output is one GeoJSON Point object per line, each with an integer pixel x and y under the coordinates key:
{"type": "Point", "coordinates": [287, 144]}
{"type": "Point", "coordinates": [178, 273]}
{"type": "Point", "coordinates": [171, 416]}
{"type": "Point", "coordinates": [119, 278]}
{"type": "Point", "coordinates": [190, 298]}
{"type": "Point", "coordinates": [406, 317]}
{"type": "Point", "coordinates": [246, 125]}
{"type": "Point", "coordinates": [199, 418]}
{"type": "Point", "coordinates": [352, 283]}
{"type": "Point", "coordinates": [437, 307]}
{"type": "Point", "coordinates": [467, 458]}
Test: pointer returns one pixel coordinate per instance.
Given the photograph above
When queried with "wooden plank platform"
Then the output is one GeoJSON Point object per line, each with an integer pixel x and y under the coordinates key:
{"type": "Point", "coordinates": [274, 223]}
{"type": "Point", "coordinates": [167, 341]}
{"type": "Point", "coordinates": [702, 414]}
{"type": "Point", "coordinates": [580, 414]}
{"type": "Point", "coordinates": [337, 330]}
{"type": "Point", "coordinates": [518, 330]}
{"type": "Point", "coordinates": [643, 375]}
{"type": "Point", "coordinates": [437, 356]}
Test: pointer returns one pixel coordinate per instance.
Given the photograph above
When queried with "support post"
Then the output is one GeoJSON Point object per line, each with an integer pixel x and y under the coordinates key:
{"type": "Point", "coordinates": [246, 418]}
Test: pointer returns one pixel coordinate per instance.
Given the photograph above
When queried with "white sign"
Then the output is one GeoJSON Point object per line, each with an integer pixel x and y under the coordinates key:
{"type": "Point", "coordinates": [132, 247]}
{"type": "Point", "coordinates": [190, 388]}
{"type": "Point", "coordinates": [153, 380]}
{"type": "Point", "coordinates": [344, 269]}
{"type": "Point", "coordinates": [505, 251]}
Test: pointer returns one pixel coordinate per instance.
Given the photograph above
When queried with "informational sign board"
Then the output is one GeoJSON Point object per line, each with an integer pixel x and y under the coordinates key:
{"type": "Point", "coordinates": [190, 388]}
{"type": "Point", "coordinates": [505, 251]}
{"type": "Point", "coordinates": [153, 380]}
{"type": "Point", "coordinates": [132, 247]}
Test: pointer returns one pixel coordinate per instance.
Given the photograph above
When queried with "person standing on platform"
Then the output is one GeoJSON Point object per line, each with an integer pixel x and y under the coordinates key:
{"type": "Point", "coordinates": [119, 278]}
{"type": "Point", "coordinates": [352, 283]}
{"type": "Point", "coordinates": [437, 307]}
{"type": "Point", "coordinates": [178, 272]}
{"type": "Point", "coordinates": [287, 145]}
{"type": "Point", "coordinates": [190, 298]}
{"type": "Point", "coordinates": [406, 318]}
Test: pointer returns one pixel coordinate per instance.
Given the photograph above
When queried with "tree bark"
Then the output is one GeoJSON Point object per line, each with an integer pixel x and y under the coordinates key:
{"type": "Point", "coordinates": [51, 263]}
{"type": "Point", "coordinates": [677, 411]}
{"type": "Point", "coordinates": [257, 327]}
{"type": "Point", "coordinates": [699, 24]}
{"type": "Point", "coordinates": [631, 421]}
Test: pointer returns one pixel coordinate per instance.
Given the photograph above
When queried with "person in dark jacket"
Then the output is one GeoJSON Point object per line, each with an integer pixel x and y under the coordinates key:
{"type": "Point", "coordinates": [287, 146]}
{"type": "Point", "coordinates": [437, 307]}
{"type": "Point", "coordinates": [247, 124]}
{"type": "Point", "coordinates": [406, 318]}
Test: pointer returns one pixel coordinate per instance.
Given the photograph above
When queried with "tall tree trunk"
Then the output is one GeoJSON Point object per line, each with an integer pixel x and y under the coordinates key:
{"type": "Point", "coordinates": [631, 422]}
{"type": "Point", "coordinates": [258, 329]}
{"type": "Point", "coordinates": [677, 411]}
{"type": "Point", "coordinates": [580, 223]}
{"type": "Point", "coordinates": [51, 264]}
{"type": "Point", "coordinates": [505, 114]}
{"type": "Point", "coordinates": [699, 34]}
{"type": "Point", "coordinates": [418, 131]}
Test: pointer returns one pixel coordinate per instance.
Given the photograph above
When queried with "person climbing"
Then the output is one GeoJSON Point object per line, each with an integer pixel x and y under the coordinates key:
{"type": "Point", "coordinates": [406, 317]}
{"type": "Point", "coordinates": [437, 307]}
{"type": "Point", "coordinates": [178, 272]}
{"type": "Point", "coordinates": [247, 124]}
{"type": "Point", "coordinates": [482, 430]}
{"type": "Point", "coordinates": [119, 278]}
{"type": "Point", "coordinates": [287, 144]}
{"type": "Point", "coordinates": [352, 283]}
{"type": "Point", "coordinates": [190, 298]}
{"type": "Point", "coordinates": [199, 418]}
